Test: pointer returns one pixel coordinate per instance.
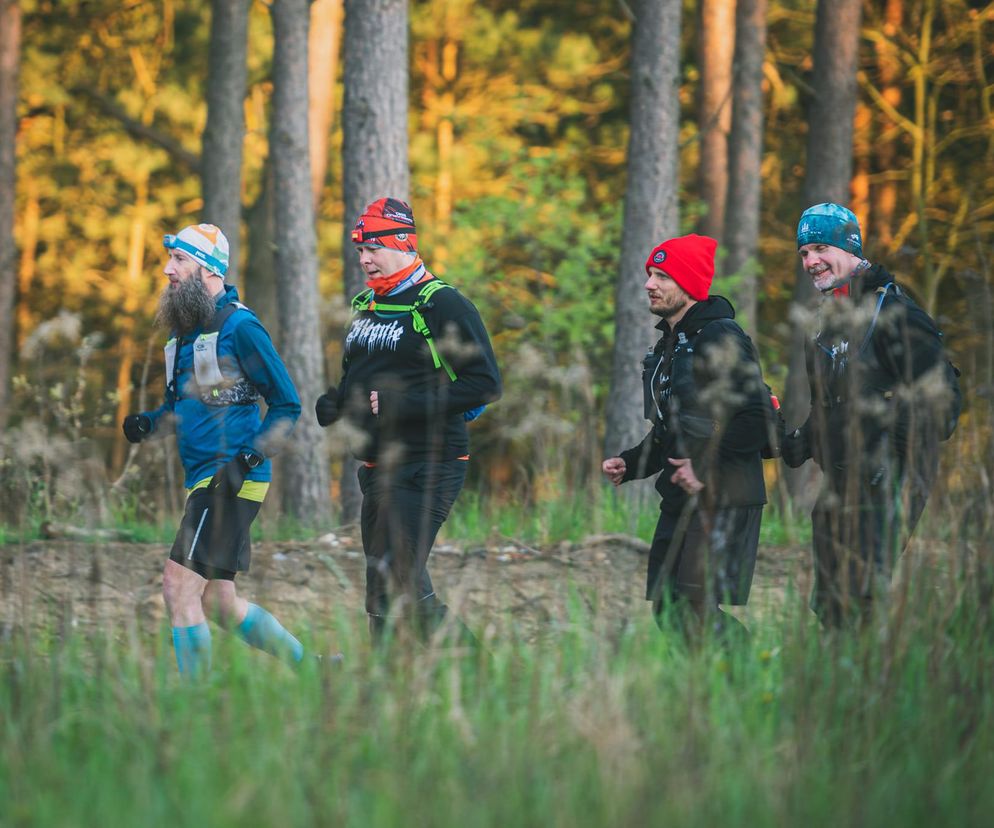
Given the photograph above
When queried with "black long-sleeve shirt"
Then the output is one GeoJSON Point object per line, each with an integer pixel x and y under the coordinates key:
{"type": "Point", "coordinates": [420, 408]}
{"type": "Point", "coordinates": [716, 413]}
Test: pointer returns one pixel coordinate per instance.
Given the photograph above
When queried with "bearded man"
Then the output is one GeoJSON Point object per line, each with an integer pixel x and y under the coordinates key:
{"type": "Point", "coordinates": [219, 362]}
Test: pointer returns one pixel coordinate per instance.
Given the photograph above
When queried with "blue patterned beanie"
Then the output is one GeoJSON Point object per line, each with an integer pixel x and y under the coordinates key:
{"type": "Point", "coordinates": [830, 224]}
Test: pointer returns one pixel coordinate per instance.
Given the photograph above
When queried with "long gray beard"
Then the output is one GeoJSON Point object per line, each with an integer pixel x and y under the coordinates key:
{"type": "Point", "coordinates": [185, 308]}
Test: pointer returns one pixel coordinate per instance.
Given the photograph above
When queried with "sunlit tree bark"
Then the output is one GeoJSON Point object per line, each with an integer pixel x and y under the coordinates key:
{"type": "Point", "coordinates": [650, 213]}
{"type": "Point", "coordinates": [221, 157]}
{"type": "Point", "coordinates": [715, 49]}
{"type": "Point", "coordinates": [745, 158]}
{"type": "Point", "coordinates": [305, 466]}
{"type": "Point", "coordinates": [10, 45]}
{"type": "Point", "coordinates": [324, 41]}
{"type": "Point", "coordinates": [374, 138]}
{"type": "Point", "coordinates": [884, 194]}
{"type": "Point", "coordinates": [828, 171]}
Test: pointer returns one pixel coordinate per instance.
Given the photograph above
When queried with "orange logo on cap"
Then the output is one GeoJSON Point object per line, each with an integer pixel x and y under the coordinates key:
{"type": "Point", "coordinates": [209, 231]}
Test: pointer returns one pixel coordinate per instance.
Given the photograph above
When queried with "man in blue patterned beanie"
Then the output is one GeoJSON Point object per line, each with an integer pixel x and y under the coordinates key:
{"type": "Point", "coordinates": [883, 396]}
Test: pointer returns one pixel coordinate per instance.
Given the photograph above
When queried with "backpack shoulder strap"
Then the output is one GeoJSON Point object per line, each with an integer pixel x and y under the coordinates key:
{"type": "Point", "coordinates": [362, 300]}
{"type": "Point", "coordinates": [421, 326]}
{"type": "Point", "coordinates": [881, 296]}
{"type": "Point", "coordinates": [223, 316]}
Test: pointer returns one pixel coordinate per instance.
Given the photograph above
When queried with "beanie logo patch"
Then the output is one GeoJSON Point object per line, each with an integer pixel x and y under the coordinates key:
{"type": "Point", "coordinates": [401, 236]}
{"type": "Point", "coordinates": [659, 257]}
{"type": "Point", "coordinates": [403, 218]}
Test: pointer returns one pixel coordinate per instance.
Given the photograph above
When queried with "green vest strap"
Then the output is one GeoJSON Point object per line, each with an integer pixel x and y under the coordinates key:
{"type": "Point", "coordinates": [364, 302]}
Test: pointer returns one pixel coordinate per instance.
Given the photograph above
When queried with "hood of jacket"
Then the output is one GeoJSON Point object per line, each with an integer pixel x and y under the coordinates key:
{"type": "Point", "coordinates": [700, 314]}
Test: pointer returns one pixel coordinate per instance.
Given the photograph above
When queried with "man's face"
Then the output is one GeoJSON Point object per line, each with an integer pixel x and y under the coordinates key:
{"type": "Point", "coordinates": [187, 302]}
{"type": "Point", "coordinates": [181, 266]}
{"type": "Point", "coordinates": [827, 266]}
{"type": "Point", "coordinates": [378, 262]}
{"type": "Point", "coordinates": [666, 297]}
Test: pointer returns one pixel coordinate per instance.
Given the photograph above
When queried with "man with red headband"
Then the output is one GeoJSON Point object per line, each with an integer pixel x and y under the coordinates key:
{"type": "Point", "coordinates": [417, 364]}
{"type": "Point", "coordinates": [710, 410]}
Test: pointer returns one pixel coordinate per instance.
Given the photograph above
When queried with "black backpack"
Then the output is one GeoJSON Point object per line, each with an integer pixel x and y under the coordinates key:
{"type": "Point", "coordinates": [950, 373]}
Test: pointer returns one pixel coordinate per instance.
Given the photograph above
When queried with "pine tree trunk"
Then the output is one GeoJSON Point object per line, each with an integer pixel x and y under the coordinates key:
{"type": "Point", "coordinates": [745, 158]}
{"type": "Point", "coordinates": [305, 467]}
{"type": "Point", "coordinates": [10, 46]}
{"type": "Point", "coordinates": [324, 41]}
{"type": "Point", "coordinates": [884, 195]}
{"type": "Point", "coordinates": [827, 175]}
{"type": "Point", "coordinates": [224, 133]}
{"type": "Point", "coordinates": [374, 139]}
{"type": "Point", "coordinates": [715, 50]}
{"type": "Point", "coordinates": [650, 208]}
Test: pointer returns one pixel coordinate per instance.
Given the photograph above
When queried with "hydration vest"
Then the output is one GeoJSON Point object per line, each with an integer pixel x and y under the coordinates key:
{"type": "Point", "coordinates": [365, 301]}
{"type": "Point", "coordinates": [877, 377]}
{"type": "Point", "coordinates": [678, 393]}
{"type": "Point", "coordinates": [214, 386]}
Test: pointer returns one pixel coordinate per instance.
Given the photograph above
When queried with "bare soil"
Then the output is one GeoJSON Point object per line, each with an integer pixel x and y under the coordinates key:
{"type": "Point", "coordinates": [100, 585]}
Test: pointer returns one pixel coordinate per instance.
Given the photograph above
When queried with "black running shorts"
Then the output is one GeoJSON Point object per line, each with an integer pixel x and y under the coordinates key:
{"type": "Point", "coordinates": [214, 537]}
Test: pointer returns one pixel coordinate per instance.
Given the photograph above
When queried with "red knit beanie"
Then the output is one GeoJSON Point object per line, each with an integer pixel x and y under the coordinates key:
{"type": "Point", "coordinates": [387, 222]}
{"type": "Point", "coordinates": [688, 261]}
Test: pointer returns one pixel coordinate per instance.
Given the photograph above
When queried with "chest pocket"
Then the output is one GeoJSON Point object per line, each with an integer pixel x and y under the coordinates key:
{"type": "Point", "coordinates": [214, 386]}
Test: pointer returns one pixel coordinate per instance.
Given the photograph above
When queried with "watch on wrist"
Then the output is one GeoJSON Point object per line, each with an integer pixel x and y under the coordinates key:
{"type": "Point", "coordinates": [251, 460]}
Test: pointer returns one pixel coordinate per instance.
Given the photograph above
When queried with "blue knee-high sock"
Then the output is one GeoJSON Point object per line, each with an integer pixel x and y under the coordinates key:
{"type": "Point", "coordinates": [260, 629]}
{"type": "Point", "coordinates": [193, 650]}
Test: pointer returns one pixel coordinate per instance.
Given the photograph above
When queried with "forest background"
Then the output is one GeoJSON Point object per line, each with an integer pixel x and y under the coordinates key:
{"type": "Point", "coordinates": [519, 130]}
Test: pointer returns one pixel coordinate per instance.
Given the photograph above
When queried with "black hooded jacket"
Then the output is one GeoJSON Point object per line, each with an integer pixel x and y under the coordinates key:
{"type": "Point", "coordinates": [706, 399]}
{"type": "Point", "coordinates": [876, 373]}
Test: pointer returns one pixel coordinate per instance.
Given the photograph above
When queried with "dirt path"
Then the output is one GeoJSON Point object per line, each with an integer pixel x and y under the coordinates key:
{"type": "Point", "coordinates": [101, 585]}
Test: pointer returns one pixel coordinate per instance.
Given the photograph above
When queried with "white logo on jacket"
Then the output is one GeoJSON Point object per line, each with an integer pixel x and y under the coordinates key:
{"type": "Point", "coordinates": [373, 335]}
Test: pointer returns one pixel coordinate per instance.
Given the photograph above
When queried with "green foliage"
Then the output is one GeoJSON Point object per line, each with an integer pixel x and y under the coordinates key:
{"type": "Point", "coordinates": [530, 228]}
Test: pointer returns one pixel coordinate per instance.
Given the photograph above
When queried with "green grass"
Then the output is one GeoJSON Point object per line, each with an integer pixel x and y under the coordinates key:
{"type": "Point", "coordinates": [473, 521]}
{"type": "Point", "coordinates": [573, 518]}
{"type": "Point", "coordinates": [590, 725]}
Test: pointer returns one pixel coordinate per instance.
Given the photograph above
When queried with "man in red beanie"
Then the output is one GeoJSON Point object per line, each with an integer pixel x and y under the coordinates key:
{"type": "Point", "coordinates": [417, 364]}
{"type": "Point", "coordinates": [710, 413]}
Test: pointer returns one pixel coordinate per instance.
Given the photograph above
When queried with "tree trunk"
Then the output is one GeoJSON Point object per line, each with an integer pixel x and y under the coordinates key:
{"type": "Point", "coordinates": [374, 139]}
{"type": "Point", "coordinates": [650, 207]}
{"type": "Point", "coordinates": [260, 269]}
{"type": "Point", "coordinates": [827, 175]}
{"type": "Point", "coordinates": [305, 467]}
{"type": "Point", "coordinates": [715, 49]}
{"type": "Point", "coordinates": [745, 158]}
{"type": "Point", "coordinates": [324, 39]}
{"type": "Point", "coordinates": [10, 46]}
{"type": "Point", "coordinates": [221, 156]}
{"type": "Point", "coordinates": [884, 194]}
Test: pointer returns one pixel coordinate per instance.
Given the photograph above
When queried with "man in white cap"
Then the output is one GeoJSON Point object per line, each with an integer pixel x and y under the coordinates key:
{"type": "Point", "coordinates": [883, 395]}
{"type": "Point", "coordinates": [219, 362]}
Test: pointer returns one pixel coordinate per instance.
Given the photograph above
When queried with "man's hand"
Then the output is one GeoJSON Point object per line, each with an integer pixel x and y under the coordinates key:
{"type": "Point", "coordinates": [796, 447]}
{"type": "Point", "coordinates": [684, 475]}
{"type": "Point", "coordinates": [374, 402]}
{"type": "Point", "coordinates": [326, 407]}
{"type": "Point", "coordinates": [614, 469]}
{"type": "Point", "coordinates": [227, 480]}
{"type": "Point", "coordinates": [136, 427]}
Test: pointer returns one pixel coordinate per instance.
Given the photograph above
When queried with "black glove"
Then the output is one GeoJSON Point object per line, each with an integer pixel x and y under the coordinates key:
{"type": "Point", "coordinates": [326, 407]}
{"type": "Point", "coordinates": [227, 480]}
{"type": "Point", "coordinates": [136, 427]}
{"type": "Point", "coordinates": [796, 447]}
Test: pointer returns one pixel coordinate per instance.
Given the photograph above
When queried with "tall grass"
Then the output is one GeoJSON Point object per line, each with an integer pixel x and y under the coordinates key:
{"type": "Point", "coordinates": [588, 725]}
